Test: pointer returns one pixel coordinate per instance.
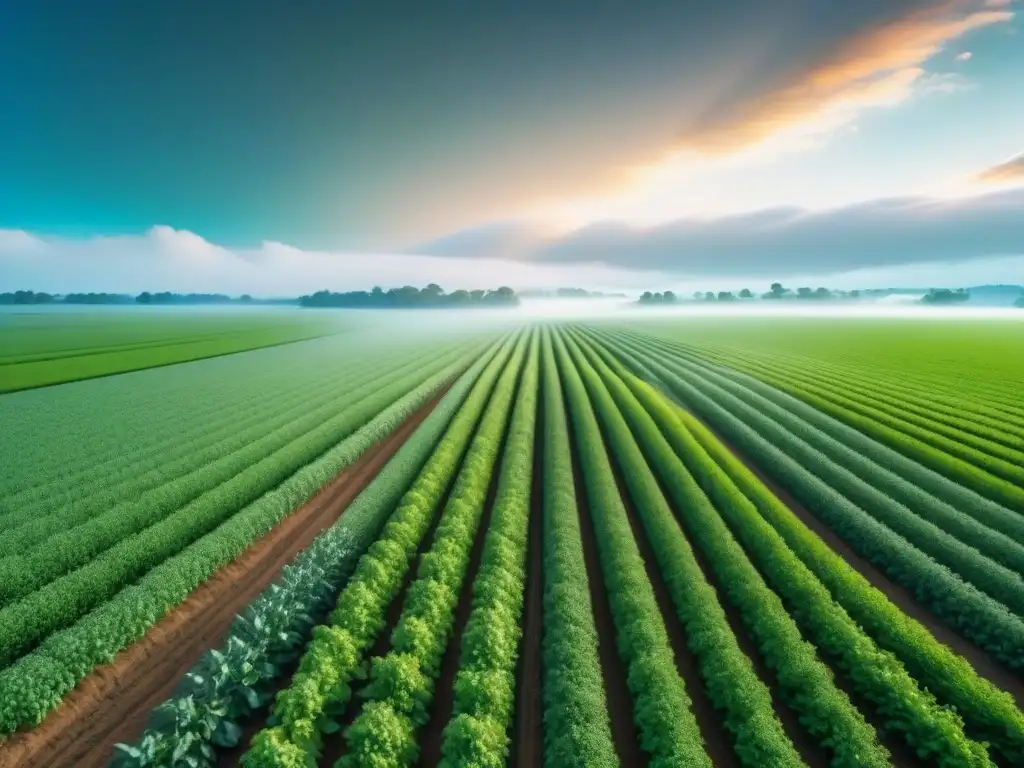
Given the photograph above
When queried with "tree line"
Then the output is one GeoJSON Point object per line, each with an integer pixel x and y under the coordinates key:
{"type": "Point", "coordinates": [777, 292]}
{"type": "Point", "coordinates": [410, 297]}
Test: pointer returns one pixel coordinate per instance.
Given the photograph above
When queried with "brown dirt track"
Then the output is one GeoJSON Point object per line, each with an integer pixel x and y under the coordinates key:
{"type": "Point", "coordinates": [113, 703]}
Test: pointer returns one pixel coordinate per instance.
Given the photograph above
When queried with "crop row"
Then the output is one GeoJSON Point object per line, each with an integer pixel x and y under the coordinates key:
{"type": "Point", "coordinates": [306, 709]}
{"type": "Point", "coordinates": [130, 475]}
{"type": "Point", "coordinates": [477, 733]}
{"type": "Point", "coordinates": [975, 551]}
{"type": "Point", "coordinates": [804, 681]}
{"type": "Point", "coordinates": [195, 502]}
{"type": "Point", "coordinates": [109, 422]}
{"type": "Point", "coordinates": [402, 683]}
{"type": "Point", "coordinates": [975, 615]}
{"type": "Point", "coordinates": [938, 489]}
{"type": "Point", "coordinates": [36, 683]}
{"type": "Point", "coordinates": [934, 732]}
{"type": "Point", "coordinates": [728, 675]}
{"type": "Point", "coordinates": [225, 688]}
{"type": "Point", "coordinates": [874, 388]}
{"type": "Point", "coordinates": [662, 709]}
{"type": "Point", "coordinates": [987, 475]}
{"type": "Point", "coordinates": [577, 728]}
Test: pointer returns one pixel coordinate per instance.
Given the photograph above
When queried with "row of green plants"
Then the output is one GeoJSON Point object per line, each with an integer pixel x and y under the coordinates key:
{"type": "Point", "coordinates": [196, 502]}
{"type": "Point", "coordinates": [939, 489]}
{"type": "Point", "coordinates": [36, 683]}
{"type": "Point", "coordinates": [662, 709]}
{"type": "Point", "coordinates": [758, 737]}
{"type": "Point", "coordinates": [335, 658]}
{"type": "Point", "coordinates": [863, 483]}
{"type": "Point", "coordinates": [976, 473]}
{"type": "Point", "coordinates": [979, 618]}
{"type": "Point", "coordinates": [478, 732]}
{"type": "Point", "coordinates": [924, 411]}
{"type": "Point", "coordinates": [804, 682]}
{"type": "Point", "coordinates": [982, 555]}
{"type": "Point", "coordinates": [105, 481]}
{"type": "Point", "coordinates": [987, 454]}
{"type": "Point", "coordinates": [229, 686]}
{"type": "Point", "coordinates": [399, 694]}
{"type": "Point", "coordinates": [112, 551]}
{"type": "Point", "coordinates": [140, 413]}
{"type": "Point", "coordinates": [933, 731]}
{"type": "Point", "coordinates": [577, 727]}
{"type": "Point", "coordinates": [142, 474]}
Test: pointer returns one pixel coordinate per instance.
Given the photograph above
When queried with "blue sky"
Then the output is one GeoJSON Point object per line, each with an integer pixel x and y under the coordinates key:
{"type": "Point", "coordinates": [304, 144]}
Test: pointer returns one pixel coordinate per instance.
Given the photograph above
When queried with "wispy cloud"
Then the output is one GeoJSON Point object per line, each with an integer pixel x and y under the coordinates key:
{"type": "Point", "coordinates": [1010, 171]}
{"type": "Point", "coordinates": [964, 56]}
{"type": "Point", "coordinates": [877, 68]}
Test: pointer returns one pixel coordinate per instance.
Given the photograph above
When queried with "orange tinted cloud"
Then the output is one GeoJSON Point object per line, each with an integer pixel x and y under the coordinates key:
{"type": "Point", "coordinates": [876, 68]}
{"type": "Point", "coordinates": [1011, 170]}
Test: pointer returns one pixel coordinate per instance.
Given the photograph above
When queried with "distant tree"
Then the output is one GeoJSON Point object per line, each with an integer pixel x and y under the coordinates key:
{"type": "Point", "coordinates": [144, 298]}
{"type": "Point", "coordinates": [804, 293]}
{"type": "Point", "coordinates": [726, 296]}
{"type": "Point", "coordinates": [823, 293]}
{"type": "Point", "coordinates": [746, 294]}
{"type": "Point", "coordinates": [27, 297]}
{"type": "Point", "coordinates": [777, 291]}
{"type": "Point", "coordinates": [408, 297]}
{"type": "Point", "coordinates": [709, 296]}
{"type": "Point", "coordinates": [245, 298]}
{"type": "Point", "coordinates": [646, 297]}
{"type": "Point", "coordinates": [432, 291]}
{"type": "Point", "coordinates": [668, 297]}
{"type": "Point", "coordinates": [854, 294]}
{"type": "Point", "coordinates": [698, 295]}
{"type": "Point", "coordinates": [946, 296]}
{"type": "Point", "coordinates": [1019, 302]}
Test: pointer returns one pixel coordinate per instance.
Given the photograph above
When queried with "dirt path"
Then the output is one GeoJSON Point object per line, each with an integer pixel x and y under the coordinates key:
{"type": "Point", "coordinates": [625, 734]}
{"type": "Point", "coordinates": [527, 748]}
{"type": "Point", "coordinates": [113, 703]}
{"type": "Point", "coordinates": [901, 597]}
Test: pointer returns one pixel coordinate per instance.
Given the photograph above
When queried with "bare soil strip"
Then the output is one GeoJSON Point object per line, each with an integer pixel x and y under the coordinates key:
{"type": "Point", "coordinates": [983, 664]}
{"type": "Point", "coordinates": [112, 705]}
{"type": "Point", "coordinates": [625, 734]}
{"type": "Point", "coordinates": [432, 736]}
{"type": "Point", "coordinates": [527, 748]}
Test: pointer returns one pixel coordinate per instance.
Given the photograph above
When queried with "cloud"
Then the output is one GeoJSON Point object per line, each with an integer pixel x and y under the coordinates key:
{"type": "Point", "coordinates": [964, 56]}
{"type": "Point", "coordinates": [1010, 171]}
{"type": "Point", "coordinates": [788, 241]}
{"type": "Point", "coordinates": [876, 68]}
{"type": "Point", "coordinates": [164, 258]}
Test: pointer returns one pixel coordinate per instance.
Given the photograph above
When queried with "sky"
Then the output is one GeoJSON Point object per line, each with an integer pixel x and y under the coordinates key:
{"type": "Point", "coordinates": [286, 146]}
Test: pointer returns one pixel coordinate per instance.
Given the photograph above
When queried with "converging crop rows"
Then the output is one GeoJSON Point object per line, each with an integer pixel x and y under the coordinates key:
{"type": "Point", "coordinates": [572, 544]}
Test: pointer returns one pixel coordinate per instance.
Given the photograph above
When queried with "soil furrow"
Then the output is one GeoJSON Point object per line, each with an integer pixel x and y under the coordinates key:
{"type": "Point", "coordinates": [527, 748]}
{"type": "Point", "coordinates": [625, 733]}
{"type": "Point", "coordinates": [900, 596]}
{"type": "Point", "coordinates": [432, 735]}
{"type": "Point", "coordinates": [113, 704]}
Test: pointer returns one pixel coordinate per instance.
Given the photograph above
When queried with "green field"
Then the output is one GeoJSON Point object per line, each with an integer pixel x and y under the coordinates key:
{"type": "Point", "coordinates": [643, 542]}
{"type": "Point", "coordinates": [39, 349]}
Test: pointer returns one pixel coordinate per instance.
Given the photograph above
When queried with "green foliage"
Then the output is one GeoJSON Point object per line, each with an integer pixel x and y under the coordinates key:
{"type": "Point", "coordinates": [577, 729]}
{"type": "Point", "coordinates": [661, 708]}
{"type": "Point", "coordinates": [933, 731]}
{"type": "Point", "coordinates": [36, 683]}
{"type": "Point", "coordinates": [482, 713]}
{"type": "Point", "coordinates": [977, 616]}
{"type": "Point", "coordinates": [728, 675]}
{"type": "Point", "coordinates": [402, 683]}
{"type": "Point", "coordinates": [41, 350]}
{"type": "Point", "coordinates": [336, 655]}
